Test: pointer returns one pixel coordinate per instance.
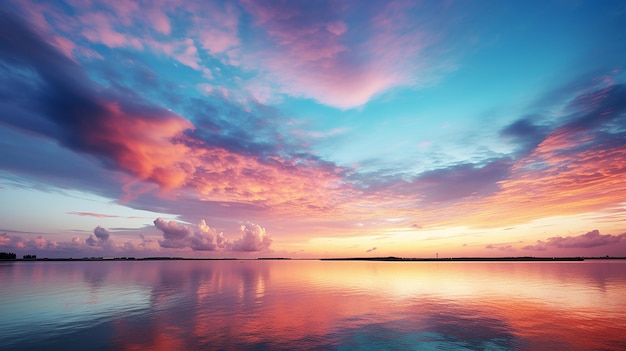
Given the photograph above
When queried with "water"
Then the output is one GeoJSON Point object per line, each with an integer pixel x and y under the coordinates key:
{"type": "Point", "coordinates": [312, 305]}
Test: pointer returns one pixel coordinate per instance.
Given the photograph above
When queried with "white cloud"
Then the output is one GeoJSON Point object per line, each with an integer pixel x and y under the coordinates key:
{"type": "Point", "coordinates": [204, 238]}
{"type": "Point", "coordinates": [253, 238]}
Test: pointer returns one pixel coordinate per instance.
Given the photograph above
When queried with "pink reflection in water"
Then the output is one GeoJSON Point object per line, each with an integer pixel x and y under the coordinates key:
{"type": "Point", "coordinates": [165, 305]}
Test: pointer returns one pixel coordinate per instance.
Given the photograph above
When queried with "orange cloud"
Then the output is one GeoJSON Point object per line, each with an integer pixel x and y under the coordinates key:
{"type": "Point", "coordinates": [562, 176]}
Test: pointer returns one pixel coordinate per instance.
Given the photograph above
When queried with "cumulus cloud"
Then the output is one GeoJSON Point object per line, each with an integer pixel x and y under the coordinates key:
{"type": "Point", "coordinates": [204, 238]}
{"type": "Point", "coordinates": [101, 233]}
{"type": "Point", "coordinates": [584, 241]}
{"type": "Point", "coordinates": [14, 242]}
{"type": "Point", "coordinates": [253, 238]}
{"type": "Point", "coordinates": [94, 245]}
{"type": "Point", "coordinates": [101, 237]}
{"type": "Point", "coordinates": [200, 238]}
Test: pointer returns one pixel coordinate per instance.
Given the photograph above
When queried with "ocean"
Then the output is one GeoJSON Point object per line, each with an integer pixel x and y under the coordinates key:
{"type": "Point", "coordinates": [312, 305]}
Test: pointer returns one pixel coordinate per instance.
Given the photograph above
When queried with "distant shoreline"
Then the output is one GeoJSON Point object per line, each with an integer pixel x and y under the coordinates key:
{"type": "Point", "coordinates": [375, 259]}
{"type": "Point", "coordinates": [465, 259]}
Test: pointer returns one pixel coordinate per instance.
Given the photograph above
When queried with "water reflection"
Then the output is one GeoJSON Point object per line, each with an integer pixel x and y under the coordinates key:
{"type": "Point", "coordinates": [234, 305]}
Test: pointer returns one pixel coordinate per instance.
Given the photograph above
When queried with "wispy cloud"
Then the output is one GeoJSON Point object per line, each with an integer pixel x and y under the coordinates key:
{"type": "Point", "coordinates": [100, 215]}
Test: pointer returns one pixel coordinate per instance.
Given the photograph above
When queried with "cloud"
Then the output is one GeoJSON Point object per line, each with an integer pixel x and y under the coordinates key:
{"type": "Point", "coordinates": [341, 54]}
{"type": "Point", "coordinates": [200, 238]}
{"type": "Point", "coordinates": [217, 28]}
{"type": "Point", "coordinates": [91, 214]}
{"type": "Point", "coordinates": [150, 143]}
{"type": "Point", "coordinates": [577, 167]}
{"type": "Point", "coordinates": [98, 28]}
{"type": "Point", "coordinates": [461, 181]}
{"type": "Point", "coordinates": [175, 235]}
{"type": "Point", "coordinates": [99, 215]}
{"type": "Point", "coordinates": [450, 184]}
{"type": "Point", "coordinates": [101, 237]}
{"type": "Point", "coordinates": [253, 238]}
{"type": "Point", "coordinates": [100, 244]}
{"type": "Point", "coordinates": [14, 242]}
{"type": "Point", "coordinates": [583, 241]}
{"type": "Point", "coordinates": [372, 249]}
{"type": "Point", "coordinates": [501, 247]}
{"type": "Point", "coordinates": [204, 238]}
{"type": "Point", "coordinates": [524, 132]}
{"type": "Point", "coordinates": [131, 132]}
{"type": "Point", "coordinates": [101, 233]}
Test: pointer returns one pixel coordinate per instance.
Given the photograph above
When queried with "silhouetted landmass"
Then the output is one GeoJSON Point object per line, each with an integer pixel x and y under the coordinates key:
{"type": "Point", "coordinates": [7, 256]}
{"type": "Point", "coordinates": [457, 259]}
{"type": "Point", "coordinates": [12, 256]}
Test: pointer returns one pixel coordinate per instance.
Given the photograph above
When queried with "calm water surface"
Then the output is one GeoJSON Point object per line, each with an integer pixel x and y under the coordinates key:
{"type": "Point", "coordinates": [314, 305]}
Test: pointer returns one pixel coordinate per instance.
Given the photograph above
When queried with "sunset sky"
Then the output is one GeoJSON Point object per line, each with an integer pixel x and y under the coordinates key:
{"type": "Point", "coordinates": [313, 128]}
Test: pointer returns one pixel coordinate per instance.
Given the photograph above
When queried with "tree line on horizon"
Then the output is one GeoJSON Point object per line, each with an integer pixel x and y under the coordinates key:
{"type": "Point", "coordinates": [13, 256]}
{"type": "Point", "coordinates": [7, 256]}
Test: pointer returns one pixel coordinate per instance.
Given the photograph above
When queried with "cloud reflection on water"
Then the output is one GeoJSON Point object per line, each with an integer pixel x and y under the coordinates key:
{"type": "Point", "coordinates": [280, 305]}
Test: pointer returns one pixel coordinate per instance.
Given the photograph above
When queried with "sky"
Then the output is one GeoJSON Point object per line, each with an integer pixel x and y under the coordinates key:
{"type": "Point", "coordinates": [311, 129]}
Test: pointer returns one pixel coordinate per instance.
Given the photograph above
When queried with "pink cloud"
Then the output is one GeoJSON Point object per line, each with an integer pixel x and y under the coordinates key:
{"type": "Point", "coordinates": [295, 48]}
{"type": "Point", "coordinates": [98, 28]}
{"type": "Point", "coordinates": [584, 241]}
{"type": "Point", "coordinates": [66, 46]}
{"type": "Point", "coordinates": [157, 148]}
{"type": "Point", "coordinates": [253, 238]}
{"type": "Point", "coordinates": [117, 24]}
{"type": "Point", "coordinates": [216, 26]}
{"type": "Point", "coordinates": [579, 167]}
{"type": "Point", "coordinates": [313, 54]}
{"type": "Point", "coordinates": [204, 238]}
{"type": "Point", "coordinates": [183, 51]}
{"type": "Point", "coordinates": [218, 41]}
{"type": "Point", "coordinates": [337, 27]}
{"type": "Point", "coordinates": [98, 215]}
{"type": "Point", "coordinates": [125, 10]}
{"type": "Point", "coordinates": [17, 242]}
{"type": "Point", "coordinates": [90, 214]}
{"type": "Point", "coordinates": [501, 247]}
{"type": "Point", "coordinates": [160, 22]}
{"type": "Point", "coordinates": [142, 144]}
